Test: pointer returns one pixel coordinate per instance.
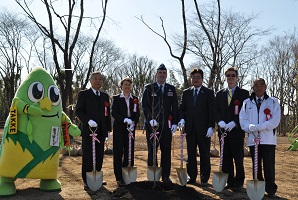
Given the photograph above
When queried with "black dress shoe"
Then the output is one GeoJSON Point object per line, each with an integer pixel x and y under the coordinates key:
{"type": "Point", "coordinates": [229, 186]}
{"type": "Point", "coordinates": [86, 188]}
{"type": "Point", "coordinates": [121, 183]}
{"type": "Point", "coordinates": [166, 180]}
{"type": "Point", "coordinates": [204, 184]}
{"type": "Point", "coordinates": [190, 181]}
{"type": "Point", "coordinates": [237, 188]}
{"type": "Point", "coordinates": [272, 196]}
{"type": "Point", "coordinates": [104, 183]}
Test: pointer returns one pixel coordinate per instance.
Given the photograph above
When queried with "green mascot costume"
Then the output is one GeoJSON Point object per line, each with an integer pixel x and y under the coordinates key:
{"type": "Point", "coordinates": [34, 132]}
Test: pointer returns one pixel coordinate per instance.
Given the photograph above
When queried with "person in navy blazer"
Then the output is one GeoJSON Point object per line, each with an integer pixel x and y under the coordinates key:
{"type": "Point", "coordinates": [126, 113]}
{"type": "Point", "coordinates": [160, 107]}
{"type": "Point", "coordinates": [227, 118]}
{"type": "Point", "coordinates": [93, 111]}
{"type": "Point", "coordinates": [197, 117]}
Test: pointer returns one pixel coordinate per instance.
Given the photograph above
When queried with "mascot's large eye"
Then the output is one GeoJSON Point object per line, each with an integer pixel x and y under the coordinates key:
{"type": "Point", "coordinates": [54, 95]}
{"type": "Point", "coordinates": [35, 91]}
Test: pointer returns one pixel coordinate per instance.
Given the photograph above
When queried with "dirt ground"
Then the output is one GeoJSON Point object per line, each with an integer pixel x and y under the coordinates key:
{"type": "Point", "coordinates": [72, 186]}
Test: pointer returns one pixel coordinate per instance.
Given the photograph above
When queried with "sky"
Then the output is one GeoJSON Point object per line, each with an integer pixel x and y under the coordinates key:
{"type": "Point", "coordinates": [131, 35]}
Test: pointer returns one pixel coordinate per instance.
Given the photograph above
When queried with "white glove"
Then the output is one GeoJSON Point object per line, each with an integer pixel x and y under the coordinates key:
{"type": "Point", "coordinates": [174, 129]}
{"type": "Point", "coordinates": [252, 128]}
{"type": "Point", "coordinates": [92, 123]}
{"type": "Point", "coordinates": [230, 126]}
{"type": "Point", "coordinates": [132, 127]}
{"type": "Point", "coordinates": [128, 121]}
{"type": "Point", "coordinates": [181, 123]}
{"type": "Point", "coordinates": [153, 122]}
{"type": "Point", "coordinates": [222, 124]}
{"type": "Point", "coordinates": [108, 137]}
{"type": "Point", "coordinates": [210, 132]}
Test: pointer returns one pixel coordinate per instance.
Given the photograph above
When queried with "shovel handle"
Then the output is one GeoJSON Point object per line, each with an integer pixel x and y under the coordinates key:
{"type": "Point", "coordinates": [182, 136]}
{"type": "Point", "coordinates": [130, 136]}
{"type": "Point", "coordinates": [222, 142]}
{"type": "Point", "coordinates": [94, 138]}
{"type": "Point", "coordinates": [256, 142]}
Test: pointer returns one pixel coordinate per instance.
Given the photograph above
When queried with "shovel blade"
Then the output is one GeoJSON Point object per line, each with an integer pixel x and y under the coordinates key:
{"type": "Point", "coordinates": [129, 174]}
{"type": "Point", "coordinates": [219, 181]}
{"type": "Point", "coordinates": [182, 175]}
{"type": "Point", "coordinates": [94, 180]}
{"type": "Point", "coordinates": [255, 189]}
{"type": "Point", "coordinates": [153, 173]}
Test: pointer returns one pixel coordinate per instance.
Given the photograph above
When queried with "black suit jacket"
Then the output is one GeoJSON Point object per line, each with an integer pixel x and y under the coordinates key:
{"type": "Point", "coordinates": [199, 114]}
{"type": "Point", "coordinates": [159, 106]}
{"type": "Point", "coordinates": [226, 113]}
{"type": "Point", "coordinates": [89, 106]}
{"type": "Point", "coordinates": [119, 111]}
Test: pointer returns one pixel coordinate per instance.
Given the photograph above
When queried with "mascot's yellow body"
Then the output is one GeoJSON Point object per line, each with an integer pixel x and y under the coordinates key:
{"type": "Point", "coordinates": [33, 134]}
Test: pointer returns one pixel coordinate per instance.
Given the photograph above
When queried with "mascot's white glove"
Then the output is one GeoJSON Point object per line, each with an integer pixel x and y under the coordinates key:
{"type": "Point", "coordinates": [222, 124]}
{"type": "Point", "coordinates": [173, 129]}
{"type": "Point", "coordinates": [132, 127]}
{"type": "Point", "coordinates": [108, 137]}
{"type": "Point", "coordinates": [230, 126]}
{"type": "Point", "coordinates": [153, 122]}
{"type": "Point", "coordinates": [92, 123]}
{"type": "Point", "coordinates": [128, 121]}
{"type": "Point", "coordinates": [210, 132]}
{"type": "Point", "coordinates": [252, 128]}
{"type": "Point", "coordinates": [181, 123]}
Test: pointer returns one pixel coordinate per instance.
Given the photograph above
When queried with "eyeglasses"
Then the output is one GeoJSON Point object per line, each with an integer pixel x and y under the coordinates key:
{"type": "Point", "coordinates": [195, 77]}
{"type": "Point", "coordinates": [230, 75]}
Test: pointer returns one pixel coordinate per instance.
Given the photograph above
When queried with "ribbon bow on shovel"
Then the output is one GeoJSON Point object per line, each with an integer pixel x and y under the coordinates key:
{"type": "Point", "coordinates": [94, 178]}
{"type": "Point", "coordinates": [220, 179]}
{"type": "Point", "coordinates": [129, 173]}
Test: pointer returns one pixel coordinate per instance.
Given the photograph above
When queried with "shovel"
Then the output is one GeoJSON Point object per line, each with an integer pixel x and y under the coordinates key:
{"type": "Point", "coordinates": [182, 174]}
{"type": "Point", "coordinates": [255, 189]}
{"type": "Point", "coordinates": [94, 178]}
{"type": "Point", "coordinates": [219, 179]}
{"type": "Point", "coordinates": [129, 173]}
{"type": "Point", "coordinates": [154, 172]}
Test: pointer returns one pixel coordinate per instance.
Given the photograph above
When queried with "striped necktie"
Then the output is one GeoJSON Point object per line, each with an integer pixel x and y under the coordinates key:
{"type": "Point", "coordinates": [230, 94]}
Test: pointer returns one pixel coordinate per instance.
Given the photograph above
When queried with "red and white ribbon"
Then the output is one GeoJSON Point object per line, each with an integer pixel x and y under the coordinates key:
{"type": "Point", "coordinates": [106, 104]}
{"type": "Point", "coordinates": [170, 121]}
{"type": "Point", "coordinates": [135, 103]}
{"type": "Point", "coordinates": [154, 135]}
{"type": "Point", "coordinates": [236, 107]}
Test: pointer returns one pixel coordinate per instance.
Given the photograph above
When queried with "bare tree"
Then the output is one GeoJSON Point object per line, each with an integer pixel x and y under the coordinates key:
{"type": "Point", "coordinates": [71, 24]}
{"type": "Point", "coordinates": [279, 68]}
{"type": "Point", "coordinates": [220, 39]}
{"type": "Point", "coordinates": [184, 43]}
{"type": "Point", "coordinates": [15, 52]}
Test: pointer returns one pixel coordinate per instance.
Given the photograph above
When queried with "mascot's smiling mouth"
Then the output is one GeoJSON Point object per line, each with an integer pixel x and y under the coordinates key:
{"type": "Point", "coordinates": [51, 115]}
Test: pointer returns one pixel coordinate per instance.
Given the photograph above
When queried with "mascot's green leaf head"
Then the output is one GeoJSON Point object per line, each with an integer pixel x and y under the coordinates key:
{"type": "Point", "coordinates": [39, 87]}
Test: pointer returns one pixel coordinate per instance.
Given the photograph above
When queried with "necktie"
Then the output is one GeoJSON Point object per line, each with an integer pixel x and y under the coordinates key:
{"type": "Point", "coordinates": [96, 93]}
{"type": "Point", "coordinates": [160, 88]}
{"type": "Point", "coordinates": [259, 102]}
{"type": "Point", "coordinates": [230, 96]}
{"type": "Point", "coordinates": [195, 96]}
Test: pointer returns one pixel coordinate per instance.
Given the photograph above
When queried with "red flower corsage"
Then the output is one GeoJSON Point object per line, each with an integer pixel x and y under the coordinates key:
{"type": "Point", "coordinates": [106, 104]}
{"type": "Point", "coordinates": [170, 121]}
{"type": "Point", "coordinates": [135, 103]}
{"type": "Point", "coordinates": [268, 114]}
{"type": "Point", "coordinates": [236, 107]}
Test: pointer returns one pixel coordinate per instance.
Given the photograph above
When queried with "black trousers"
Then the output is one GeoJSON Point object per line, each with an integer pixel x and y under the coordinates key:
{"type": "Point", "coordinates": [194, 140]}
{"type": "Point", "coordinates": [234, 153]}
{"type": "Point", "coordinates": [165, 142]}
{"type": "Point", "coordinates": [87, 158]}
{"type": "Point", "coordinates": [266, 156]}
{"type": "Point", "coordinates": [120, 151]}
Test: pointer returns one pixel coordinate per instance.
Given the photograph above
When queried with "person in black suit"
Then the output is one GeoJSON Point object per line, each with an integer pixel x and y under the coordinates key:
{"type": "Point", "coordinates": [125, 111]}
{"type": "Point", "coordinates": [160, 107]}
{"type": "Point", "coordinates": [197, 117]}
{"type": "Point", "coordinates": [228, 103]}
{"type": "Point", "coordinates": [93, 111]}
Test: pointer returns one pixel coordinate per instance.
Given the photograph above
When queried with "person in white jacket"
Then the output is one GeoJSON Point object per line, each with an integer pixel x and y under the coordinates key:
{"type": "Point", "coordinates": [259, 117]}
